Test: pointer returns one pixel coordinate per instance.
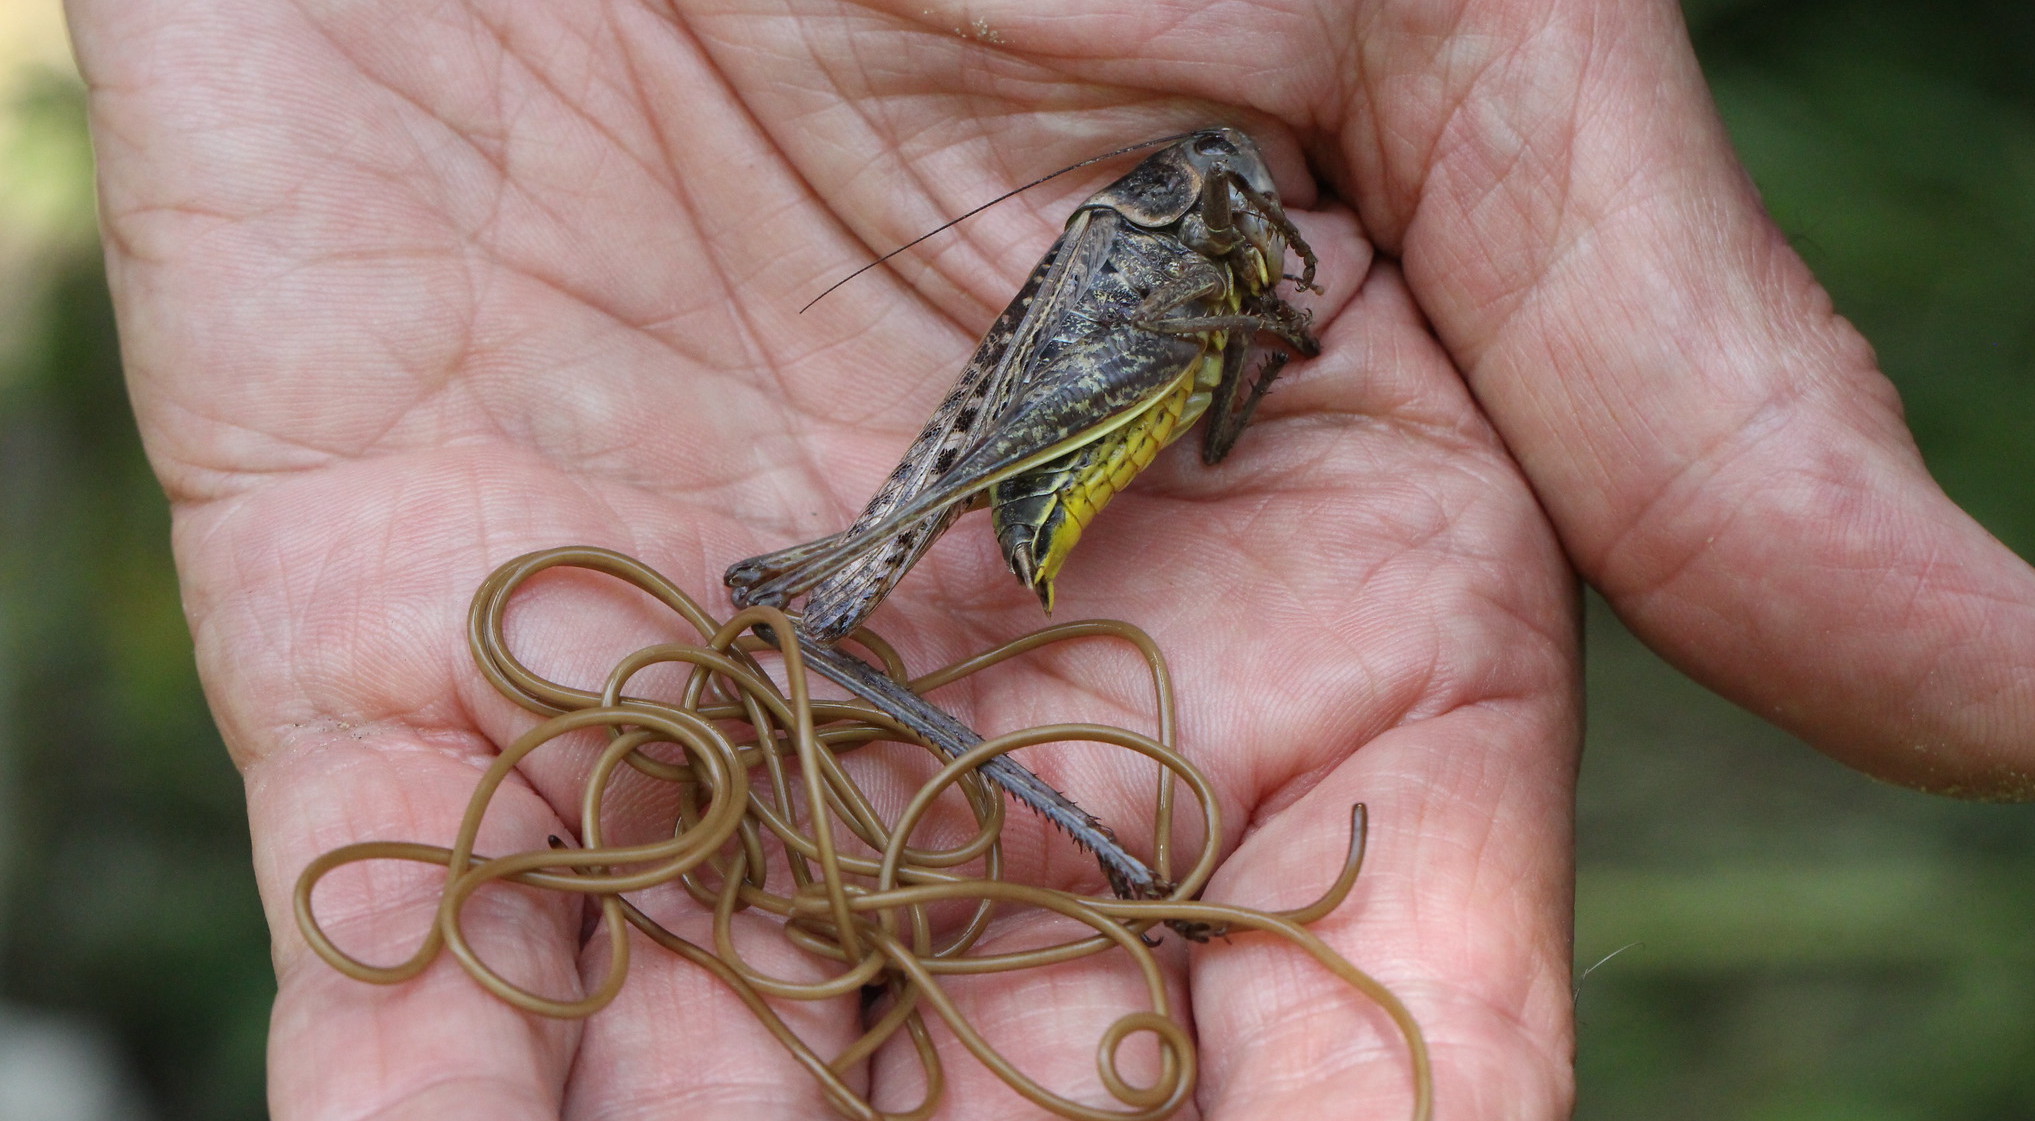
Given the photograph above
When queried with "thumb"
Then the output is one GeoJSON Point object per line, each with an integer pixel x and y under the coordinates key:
{"type": "Point", "coordinates": [1715, 445]}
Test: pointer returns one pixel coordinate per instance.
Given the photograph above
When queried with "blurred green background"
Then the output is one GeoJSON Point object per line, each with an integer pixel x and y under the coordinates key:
{"type": "Point", "coordinates": [1800, 943]}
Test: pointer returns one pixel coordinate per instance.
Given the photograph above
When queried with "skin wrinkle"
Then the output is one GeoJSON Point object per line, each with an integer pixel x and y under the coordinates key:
{"type": "Point", "coordinates": [496, 420]}
{"type": "Point", "coordinates": [853, 105]}
{"type": "Point", "coordinates": [1261, 475]}
{"type": "Point", "coordinates": [1363, 704]}
{"type": "Point", "coordinates": [1504, 711]}
{"type": "Point", "coordinates": [1419, 183]}
{"type": "Point", "coordinates": [1416, 682]}
{"type": "Point", "coordinates": [1386, 219]}
{"type": "Point", "coordinates": [116, 224]}
{"type": "Point", "coordinates": [1556, 1058]}
{"type": "Point", "coordinates": [765, 265]}
{"type": "Point", "coordinates": [700, 364]}
{"type": "Point", "coordinates": [1355, 654]}
{"type": "Point", "coordinates": [982, 261]}
{"type": "Point", "coordinates": [1684, 487]}
{"type": "Point", "coordinates": [1501, 179]}
{"type": "Point", "coordinates": [888, 411]}
{"type": "Point", "coordinates": [1511, 1012]}
{"type": "Point", "coordinates": [1265, 799]}
{"type": "Point", "coordinates": [893, 414]}
{"type": "Point", "coordinates": [323, 456]}
{"type": "Point", "coordinates": [1182, 70]}
{"type": "Point", "coordinates": [283, 590]}
{"type": "Point", "coordinates": [771, 259]}
{"type": "Point", "coordinates": [1594, 460]}
{"type": "Point", "coordinates": [560, 284]}
{"type": "Point", "coordinates": [293, 609]}
{"type": "Point", "coordinates": [342, 743]}
{"type": "Point", "coordinates": [1371, 1049]}
{"type": "Point", "coordinates": [630, 464]}
{"type": "Point", "coordinates": [669, 341]}
{"type": "Point", "coordinates": [1921, 678]}
{"type": "Point", "coordinates": [326, 454]}
{"type": "Point", "coordinates": [175, 470]}
{"type": "Point", "coordinates": [1472, 680]}
{"type": "Point", "coordinates": [746, 334]}
{"type": "Point", "coordinates": [1316, 112]}
{"type": "Point", "coordinates": [1507, 179]}
{"type": "Point", "coordinates": [460, 136]}
{"type": "Point", "coordinates": [1552, 642]}
{"type": "Point", "coordinates": [666, 167]}
{"type": "Point", "coordinates": [1561, 207]}
{"type": "Point", "coordinates": [696, 216]}
{"type": "Point", "coordinates": [1649, 600]}
{"type": "Point", "coordinates": [430, 390]}
{"type": "Point", "coordinates": [1533, 295]}
{"type": "Point", "coordinates": [1764, 632]}
{"type": "Point", "coordinates": [1913, 580]}
{"type": "Point", "coordinates": [571, 105]}
{"type": "Point", "coordinates": [1507, 300]}
{"type": "Point", "coordinates": [468, 1092]}
{"type": "Point", "coordinates": [1113, 707]}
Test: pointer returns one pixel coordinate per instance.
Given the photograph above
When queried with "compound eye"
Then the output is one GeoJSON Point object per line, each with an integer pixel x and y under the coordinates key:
{"type": "Point", "coordinates": [1212, 145]}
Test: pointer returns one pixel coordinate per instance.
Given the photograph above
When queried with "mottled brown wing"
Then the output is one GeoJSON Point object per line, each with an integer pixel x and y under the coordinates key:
{"type": "Point", "coordinates": [844, 597]}
{"type": "Point", "coordinates": [1088, 389]}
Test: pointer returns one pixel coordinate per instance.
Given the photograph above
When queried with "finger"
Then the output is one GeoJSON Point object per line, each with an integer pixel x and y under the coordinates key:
{"type": "Point", "coordinates": [1462, 911]}
{"type": "Point", "coordinates": [1715, 444]}
{"type": "Point", "coordinates": [1044, 1022]}
{"type": "Point", "coordinates": [1460, 632]}
{"type": "Point", "coordinates": [440, 1043]}
{"type": "Point", "coordinates": [679, 1042]}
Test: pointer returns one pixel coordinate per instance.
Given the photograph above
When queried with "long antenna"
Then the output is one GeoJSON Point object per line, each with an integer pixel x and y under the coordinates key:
{"type": "Point", "coordinates": [990, 203]}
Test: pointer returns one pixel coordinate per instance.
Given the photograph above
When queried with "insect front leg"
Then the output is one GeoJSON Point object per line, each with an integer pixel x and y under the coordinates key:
{"type": "Point", "coordinates": [1227, 419]}
{"type": "Point", "coordinates": [1292, 332]}
{"type": "Point", "coordinates": [1202, 281]}
{"type": "Point", "coordinates": [1295, 325]}
{"type": "Point", "coordinates": [1269, 210]}
{"type": "Point", "coordinates": [1227, 415]}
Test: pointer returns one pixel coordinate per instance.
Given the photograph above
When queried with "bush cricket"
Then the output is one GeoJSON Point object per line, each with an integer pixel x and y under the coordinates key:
{"type": "Point", "coordinates": [1141, 318]}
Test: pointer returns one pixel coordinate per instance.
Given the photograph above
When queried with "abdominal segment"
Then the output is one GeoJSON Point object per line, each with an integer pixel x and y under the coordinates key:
{"type": "Point", "coordinates": [1038, 515]}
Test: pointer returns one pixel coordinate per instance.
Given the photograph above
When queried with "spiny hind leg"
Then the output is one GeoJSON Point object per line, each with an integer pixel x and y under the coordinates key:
{"type": "Point", "coordinates": [759, 581]}
{"type": "Point", "coordinates": [1295, 326]}
{"type": "Point", "coordinates": [749, 577]}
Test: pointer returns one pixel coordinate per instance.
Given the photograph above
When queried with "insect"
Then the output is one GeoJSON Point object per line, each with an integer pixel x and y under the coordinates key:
{"type": "Point", "coordinates": [1140, 319]}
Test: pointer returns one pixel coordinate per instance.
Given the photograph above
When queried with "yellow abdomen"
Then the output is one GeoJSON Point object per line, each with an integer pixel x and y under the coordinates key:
{"type": "Point", "coordinates": [1047, 509]}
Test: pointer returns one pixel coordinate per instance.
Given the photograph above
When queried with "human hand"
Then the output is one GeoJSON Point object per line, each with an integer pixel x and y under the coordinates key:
{"type": "Point", "coordinates": [404, 294]}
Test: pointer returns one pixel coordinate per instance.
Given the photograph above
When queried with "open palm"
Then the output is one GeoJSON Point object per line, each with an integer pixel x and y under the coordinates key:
{"type": "Point", "coordinates": [407, 290]}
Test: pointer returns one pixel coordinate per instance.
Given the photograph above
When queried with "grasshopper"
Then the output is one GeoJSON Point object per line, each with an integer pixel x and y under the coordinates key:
{"type": "Point", "coordinates": [1140, 318]}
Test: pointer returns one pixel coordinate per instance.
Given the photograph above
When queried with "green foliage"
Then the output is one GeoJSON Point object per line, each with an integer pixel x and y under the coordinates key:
{"type": "Point", "coordinates": [1799, 942]}
{"type": "Point", "coordinates": [1896, 144]}
{"type": "Point", "coordinates": [127, 896]}
{"type": "Point", "coordinates": [1810, 945]}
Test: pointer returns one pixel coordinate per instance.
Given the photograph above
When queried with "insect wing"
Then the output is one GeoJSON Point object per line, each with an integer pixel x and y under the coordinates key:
{"type": "Point", "coordinates": [1003, 362]}
{"type": "Point", "coordinates": [1090, 389]}
{"type": "Point", "coordinates": [977, 398]}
